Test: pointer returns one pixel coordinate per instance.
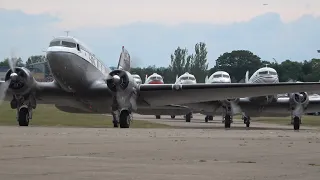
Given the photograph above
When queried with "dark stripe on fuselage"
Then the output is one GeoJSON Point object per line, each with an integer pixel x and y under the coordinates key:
{"type": "Point", "coordinates": [71, 70]}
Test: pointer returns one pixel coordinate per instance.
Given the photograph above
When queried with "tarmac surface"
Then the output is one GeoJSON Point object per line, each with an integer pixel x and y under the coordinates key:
{"type": "Point", "coordinates": [203, 153]}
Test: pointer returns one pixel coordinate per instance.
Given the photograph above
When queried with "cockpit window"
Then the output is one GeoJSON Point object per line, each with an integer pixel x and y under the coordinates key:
{"type": "Point", "coordinates": [184, 78]}
{"type": "Point", "coordinates": [155, 78]}
{"type": "Point", "coordinates": [263, 72]}
{"type": "Point", "coordinates": [69, 44]}
{"type": "Point", "coordinates": [217, 76]}
{"type": "Point", "coordinates": [54, 43]}
{"type": "Point", "coordinates": [272, 73]}
{"type": "Point", "coordinates": [226, 76]}
{"type": "Point", "coordinates": [192, 78]}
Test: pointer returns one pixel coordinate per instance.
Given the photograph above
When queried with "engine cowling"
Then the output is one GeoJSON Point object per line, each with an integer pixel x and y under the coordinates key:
{"type": "Point", "coordinates": [21, 81]}
{"type": "Point", "coordinates": [120, 80]}
{"type": "Point", "coordinates": [300, 98]}
{"type": "Point", "coordinates": [125, 89]}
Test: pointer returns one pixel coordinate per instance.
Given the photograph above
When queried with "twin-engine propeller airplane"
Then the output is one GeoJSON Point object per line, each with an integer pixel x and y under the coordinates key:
{"type": "Point", "coordinates": [83, 84]}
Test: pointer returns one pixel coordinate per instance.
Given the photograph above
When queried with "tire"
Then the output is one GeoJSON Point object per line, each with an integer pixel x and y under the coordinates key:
{"type": "Point", "coordinates": [188, 117]}
{"type": "Point", "coordinates": [23, 117]}
{"type": "Point", "coordinates": [296, 123]}
{"type": "Point", "coordinates": [124, 119]}
{"type": "Point", "coordinates": [206, 119]}
{"type": "Point", "coordinates": [158, 116]}
{"type": "Point", "coordinates": [172, 117]}
{"type": "Point", "coordinates": [227, 121]}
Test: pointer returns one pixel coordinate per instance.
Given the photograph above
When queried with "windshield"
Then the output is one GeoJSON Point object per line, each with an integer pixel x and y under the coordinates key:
{"type": "Point", "coordinates": [192, 78]}
{"type": "Point", "coordinates": [217, 76]}
{"type": "Point", "coordinates": [272, 73]}
{"type": "Point", "coordinates": [54, 43]}
{"type": "Point", "coordinates": [184, 78]}
{"type": "Point", "coordinates": [263, 72]}
{"type": "Point", "coordinates": [68, 44]}
{"type": "Point", "coordinates": [226, 76]}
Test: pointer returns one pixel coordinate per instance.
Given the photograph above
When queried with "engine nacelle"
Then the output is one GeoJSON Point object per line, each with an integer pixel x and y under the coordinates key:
{"type": "Point", "coordinates": [120, 80]}
{"type": "Point", "coordinates": [299, 98]}
{"type": "Point", "coordinates": [21, 81]}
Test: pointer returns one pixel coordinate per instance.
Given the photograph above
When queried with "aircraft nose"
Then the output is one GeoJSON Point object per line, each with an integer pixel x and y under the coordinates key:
{"type": "Point", "coordinates": [270, 79]}
{"type": "Point", "coordinates": [188, 82]}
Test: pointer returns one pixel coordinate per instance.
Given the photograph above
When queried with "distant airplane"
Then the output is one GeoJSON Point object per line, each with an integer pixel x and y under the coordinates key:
{"type": "Point", "coordinates": [83, 84]}
{"type": "Point", "coordinates": [154, 79]}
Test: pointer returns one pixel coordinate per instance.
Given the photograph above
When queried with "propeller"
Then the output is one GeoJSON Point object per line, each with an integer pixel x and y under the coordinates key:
{"type": "Point", "coordinates": [12, 61]}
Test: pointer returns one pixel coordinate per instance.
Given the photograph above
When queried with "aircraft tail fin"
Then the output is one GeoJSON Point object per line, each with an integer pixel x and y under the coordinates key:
{"type": "Point", "coordinates": [124, 60]}
{"type": "Point", "coordinates": [206, 79]}
{"type": "Point", "coordinates": [177, 77]}
{"type": "Point", "coordinates": [145, 80]}
{"type": "Point", "coordinates": [247, 77]}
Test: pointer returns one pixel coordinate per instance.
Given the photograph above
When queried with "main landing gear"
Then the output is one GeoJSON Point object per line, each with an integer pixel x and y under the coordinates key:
{"type": "Point", "coordinates": [208, 118]}
{"type": "Point", "coordinates": [158, 116]}
{"type": "Point", "coordinates": [124, 117]}
{"type": "Point", "coordinates": [188, 117]}
{"type": "Point", "coordinates": [246, 120]}
{"type": "Point", "coordinates": [227, 118]}
{"type": "Point", "coordinates": [24, 109]}
{"type": "Point", "coordinates": [296, 121]}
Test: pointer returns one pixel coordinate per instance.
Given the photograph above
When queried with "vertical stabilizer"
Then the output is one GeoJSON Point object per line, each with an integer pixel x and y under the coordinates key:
{"type": "Point", "coordinates": [177, 77]}
{"type": "Point", "coordinates": [206, 79]}
{"type": "Point", "coordinates": [124, 60]}
{"type": "Point", "coordinates": [247, 77]}
{"type": "Point", "coordinates": [145, 80]}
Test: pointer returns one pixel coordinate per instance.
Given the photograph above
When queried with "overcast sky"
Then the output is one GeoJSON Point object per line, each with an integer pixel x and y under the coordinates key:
{"type": "Point", "coordinates": [152, 29]}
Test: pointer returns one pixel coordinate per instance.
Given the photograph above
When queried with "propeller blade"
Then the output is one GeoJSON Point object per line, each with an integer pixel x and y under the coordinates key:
{"type": "Point", "coordinates": [12, 61]}
{"type": "Point", "coordinates": [3, 90]}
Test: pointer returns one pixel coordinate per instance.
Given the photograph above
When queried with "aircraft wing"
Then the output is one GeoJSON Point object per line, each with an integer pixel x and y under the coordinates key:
{"type": "Point", "coordinates": [45, 92]}
{"type": "Point", "coordinates": [166, 94]}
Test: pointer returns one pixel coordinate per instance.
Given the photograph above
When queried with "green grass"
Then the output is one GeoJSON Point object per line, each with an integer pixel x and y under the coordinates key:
{"type": "Point", "coordinates": [306, 120]}
{"type": "Point", "coordinates": [48, 115]}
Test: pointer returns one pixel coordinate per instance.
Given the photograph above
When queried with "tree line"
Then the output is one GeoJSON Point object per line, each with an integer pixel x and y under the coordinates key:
{"type": "Point", "coordinates": [236, 63]}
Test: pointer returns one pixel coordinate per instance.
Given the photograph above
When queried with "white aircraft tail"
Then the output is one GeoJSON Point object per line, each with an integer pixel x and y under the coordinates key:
{"type": "Point", "coordinates": [177, 77]}
{"type": "Point", "coordinates": [246, 80]}
{"type": "Point", "coordinates": [124, 60]}
{"type": "Point", "coordinates": [206, 79]}
{"type": "Point", "coordinates": [145, 80]}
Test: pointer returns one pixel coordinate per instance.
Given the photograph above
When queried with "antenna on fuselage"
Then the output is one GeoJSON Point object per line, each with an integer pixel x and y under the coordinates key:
{"type": "Point", "coordinates": [67, 32]}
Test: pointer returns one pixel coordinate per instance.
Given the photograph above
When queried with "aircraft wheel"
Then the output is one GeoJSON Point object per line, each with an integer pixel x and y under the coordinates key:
{"type": "Point", "coordinates": [227, 121]}
{"type": "Point", "coordinates": [188, 117]}
{"type": "Point", "coordinates": [246, 121]}
{"type": "Point", "coordinates": [210, 118]}
{"type": "Point", "coordinates": [125, 119]}
{"type": "Point", "coordinates": [158, 116]}
{"type": "Point", "coordinates": [172, 117]}
{"type": "Point", "coordinates": [206, 119]}
{"type": "Point", "coordinates": [296, 123]}
{"type": "Point", "coordinates": [23, 117]}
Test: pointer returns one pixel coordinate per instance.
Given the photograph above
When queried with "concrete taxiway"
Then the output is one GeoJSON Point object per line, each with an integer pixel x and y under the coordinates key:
{"type": "Point", "coordinates": [39, 153]}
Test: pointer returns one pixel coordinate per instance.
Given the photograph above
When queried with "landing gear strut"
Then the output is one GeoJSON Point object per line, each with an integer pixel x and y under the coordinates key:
{"type": "Point", "coordinates": [227, 121]}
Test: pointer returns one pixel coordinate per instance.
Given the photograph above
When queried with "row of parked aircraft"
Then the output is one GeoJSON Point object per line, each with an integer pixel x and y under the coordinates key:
{"type": "Point", "coordinates": [272, 105]}
{"type": "Point", "coordinates": [83, 84]}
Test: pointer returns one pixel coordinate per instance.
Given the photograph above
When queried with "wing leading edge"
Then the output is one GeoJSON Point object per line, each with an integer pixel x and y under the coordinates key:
{"type": "Point", "coordinates": [166, 94]}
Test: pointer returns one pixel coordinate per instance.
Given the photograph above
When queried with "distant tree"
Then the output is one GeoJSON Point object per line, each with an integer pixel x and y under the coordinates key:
{"type": "Point", "coordinates": [180, 61]}
{"type": "Point", "coordinates": [199, 64]}
{"type": "Point", "coordinates": [16, 61]}
{"type": "Point", "coordinates": [237, 62]}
